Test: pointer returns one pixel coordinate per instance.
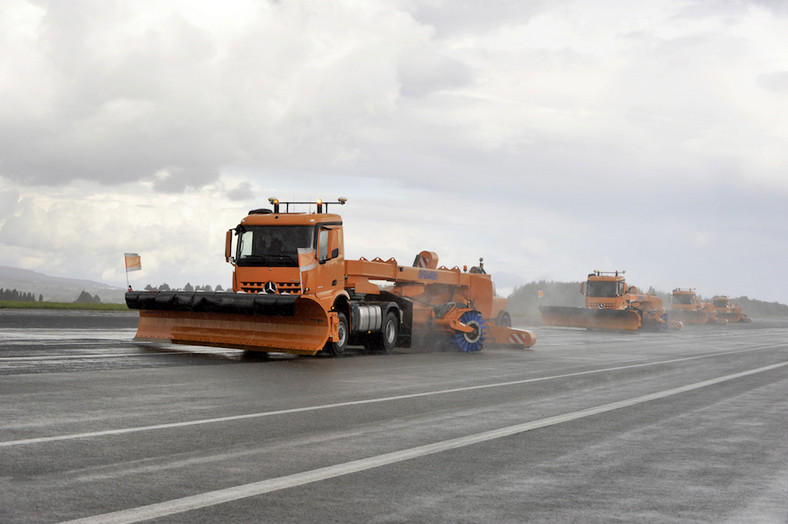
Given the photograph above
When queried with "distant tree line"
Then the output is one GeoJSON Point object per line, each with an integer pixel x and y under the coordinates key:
{"type": "Point", "coordinates": [87, 298]}
{"type": "Point", "coordinates": [525, 300]}
{"type": "Point", "coordinates": [759, 308]}
{"type": "Point", "coordinates": [18, 296]}
{"type": "Point", "coordinates": [188, 287]}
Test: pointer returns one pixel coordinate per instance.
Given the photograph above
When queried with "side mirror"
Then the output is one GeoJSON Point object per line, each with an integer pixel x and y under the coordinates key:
{"type": "Point", "coordinates": [322, 246]}
{"type": "Point", "coordinates": [333, 242]}
{"type": "Point", "coordinates": [583, 288]}
{"type": "Point", "coordinates": [228, 247]}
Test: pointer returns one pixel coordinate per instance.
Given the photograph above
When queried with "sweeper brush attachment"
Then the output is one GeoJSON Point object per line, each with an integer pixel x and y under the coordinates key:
{"type": "Point", "coordinates": [474, 340]}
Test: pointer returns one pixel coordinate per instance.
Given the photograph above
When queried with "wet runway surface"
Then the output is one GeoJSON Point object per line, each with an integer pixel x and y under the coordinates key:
{"type": "Point", "coordinates": [586, 426]}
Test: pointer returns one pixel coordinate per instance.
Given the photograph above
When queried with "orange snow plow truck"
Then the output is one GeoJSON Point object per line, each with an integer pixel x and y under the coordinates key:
{"type": "Point", "coordinates": [294, 292]}
{"type": "Point", "coordinates": [729, 311]}
{"type": "Point", "coordinates": [687, 308]}
{"type": "Point", "coordinates": [610, 304]}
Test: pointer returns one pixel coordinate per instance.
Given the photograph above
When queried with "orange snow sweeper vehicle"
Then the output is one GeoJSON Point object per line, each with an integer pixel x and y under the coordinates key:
{"type": "Point", "coordinates": [729, 311]}
{"type": "Point", "coordinates": [610, 303]}
{"type": "Point", "coordinates": [294, 292]}
{"type": "Point", "coordinates": [687, 308]}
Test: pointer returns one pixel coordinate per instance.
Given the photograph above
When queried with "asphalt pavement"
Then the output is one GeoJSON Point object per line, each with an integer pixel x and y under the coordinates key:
{"type": "Point", "coordinates": [586, 426]}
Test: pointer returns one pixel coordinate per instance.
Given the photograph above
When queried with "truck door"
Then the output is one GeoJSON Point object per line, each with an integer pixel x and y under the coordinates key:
{"type": "Point", "coordinates": [330, 258]}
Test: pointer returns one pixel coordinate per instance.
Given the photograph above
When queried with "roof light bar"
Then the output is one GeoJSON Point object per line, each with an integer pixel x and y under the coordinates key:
{"type": "Point", "coordinates": [319, 203]}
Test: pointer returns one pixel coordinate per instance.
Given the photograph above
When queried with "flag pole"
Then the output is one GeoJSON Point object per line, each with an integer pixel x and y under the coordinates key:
{"type": "Point", "coordinates": [132, 262]}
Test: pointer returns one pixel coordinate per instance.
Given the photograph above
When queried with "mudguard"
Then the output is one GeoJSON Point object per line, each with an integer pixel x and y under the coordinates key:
{"type": "Point", "coordinates": [509, 337]}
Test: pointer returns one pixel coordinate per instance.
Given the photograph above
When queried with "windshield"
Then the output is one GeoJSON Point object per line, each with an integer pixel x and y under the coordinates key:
{"type": "Point", "coordinates": [682, 299]}
{"type": "Point", "coordinates": [273, 246]}
{"type": "Point", "coordinates": [602, 289]}
{"type": "Point", "coordinates": [721, 302]}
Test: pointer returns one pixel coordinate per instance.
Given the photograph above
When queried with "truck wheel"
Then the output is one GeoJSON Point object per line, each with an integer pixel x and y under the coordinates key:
{"type": "Point", "coordinates": [338, 348]}
{"type": "Point", "coordinates": [386, 339]}
{"type": "Point", "coordinates": [503, 320]}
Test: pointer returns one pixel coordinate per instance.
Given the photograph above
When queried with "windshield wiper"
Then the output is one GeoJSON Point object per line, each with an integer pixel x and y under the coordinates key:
{"type": "Point", "coordinates": [269, 259]}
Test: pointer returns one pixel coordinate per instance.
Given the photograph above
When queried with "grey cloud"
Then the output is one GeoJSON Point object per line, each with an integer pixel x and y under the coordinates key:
{"type": "Point", "coordinates": [422, 73]}
{"type": "Point", "coordinates": [242, 191]}
{"type": "Point", "coordinates": [9, 199]}
{"type": "Point", "coordinates": [777, 6]}
{"type": "Point", "coordinates": [629, 149]}
{"type": "Point", "coordinates": [175, 180]}
{"type": "Point", "coordinates": [123, 103]}
{"type": "Point", "coordinates": [730, 8]}
{"type": "Point", "coordinates": [117, 107]}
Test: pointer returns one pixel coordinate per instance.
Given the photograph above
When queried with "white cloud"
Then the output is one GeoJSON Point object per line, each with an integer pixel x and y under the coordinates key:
{"type": "Point", "coordinates": [550, 138]}
{"type": "Point", "coordinates": [85, 229]}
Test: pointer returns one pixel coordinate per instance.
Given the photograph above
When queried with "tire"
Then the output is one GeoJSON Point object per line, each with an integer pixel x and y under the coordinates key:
{"type": "Point", "coordinates": [338, 348]}
{"type": "Point", "coordinates": [503, 320]}
{"type": "Point", "coordinates": [255, 355]}
{"type": "Point", "coordinates": [385, 340]}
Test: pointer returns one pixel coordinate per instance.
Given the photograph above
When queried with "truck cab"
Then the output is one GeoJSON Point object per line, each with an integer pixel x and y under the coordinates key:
{"type": "Point", "coordinates": [294, 253]}
{"type": "Point", "coordinates": [685, 299]}
{"type": "Point", "coordinates": [604, 290]}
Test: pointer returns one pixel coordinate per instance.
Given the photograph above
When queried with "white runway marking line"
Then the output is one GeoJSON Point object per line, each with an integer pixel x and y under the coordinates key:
{"type": "Point", "coordinates": [86, 356]}
{"type": "Point", "coordinates": [212, 498]}
{"type": "Point", "coordinates": [170, 425]}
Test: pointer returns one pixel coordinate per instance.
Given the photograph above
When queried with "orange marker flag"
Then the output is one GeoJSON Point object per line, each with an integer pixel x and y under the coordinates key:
{"type": "Point", "coordinates": [133, 262]}
{"type": "Point", "coordinates": [307, 261]}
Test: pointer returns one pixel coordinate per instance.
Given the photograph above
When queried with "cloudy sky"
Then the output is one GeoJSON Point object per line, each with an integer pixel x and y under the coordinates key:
{"type": "Point", "coordinates": [549, 137]}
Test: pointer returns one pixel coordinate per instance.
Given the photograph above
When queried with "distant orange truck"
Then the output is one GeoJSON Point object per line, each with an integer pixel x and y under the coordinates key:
{"type": "Point", "coordinates": [610, 303]}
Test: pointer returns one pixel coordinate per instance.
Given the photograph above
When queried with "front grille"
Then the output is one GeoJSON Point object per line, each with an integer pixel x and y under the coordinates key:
{"type": "Point", "coordinates": [292, 288]}
{"type": "Point", "coordinates": [603, 305]}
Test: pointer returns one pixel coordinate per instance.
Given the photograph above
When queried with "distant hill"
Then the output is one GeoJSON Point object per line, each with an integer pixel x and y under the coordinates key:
{"type": "Point", "coordinates": [55, 289]}
{"type": "Point", "coordinates": [524, 300]}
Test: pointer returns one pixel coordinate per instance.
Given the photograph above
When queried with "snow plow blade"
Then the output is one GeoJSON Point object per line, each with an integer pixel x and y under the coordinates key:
{"type": "Point", "coordinates": [689, 317]}
{"type": "Point", "coordinates": [257, 322]}
{"type": "Point", "coordinates": [618, 319]}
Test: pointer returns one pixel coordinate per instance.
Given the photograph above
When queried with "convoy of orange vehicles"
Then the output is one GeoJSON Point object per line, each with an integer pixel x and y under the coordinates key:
{"type": "Point", "coordinates": [610, 303]}
{"type": "Point", "coordinates": [294, 292]}
{"type": "Point", "coordinates": [687, 308]}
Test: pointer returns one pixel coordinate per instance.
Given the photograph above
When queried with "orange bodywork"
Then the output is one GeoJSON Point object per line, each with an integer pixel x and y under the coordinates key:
{"type": "Point", "coordinates": [726, 310]}
{"type": "Point", "coordinates": [687, 308]}
{"type": "Point", "coordinates": [427, 287]}
{"type": "Point", "coordinates": [323, 293]}
{"type": "Point", "coordinates": [610, 304]}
